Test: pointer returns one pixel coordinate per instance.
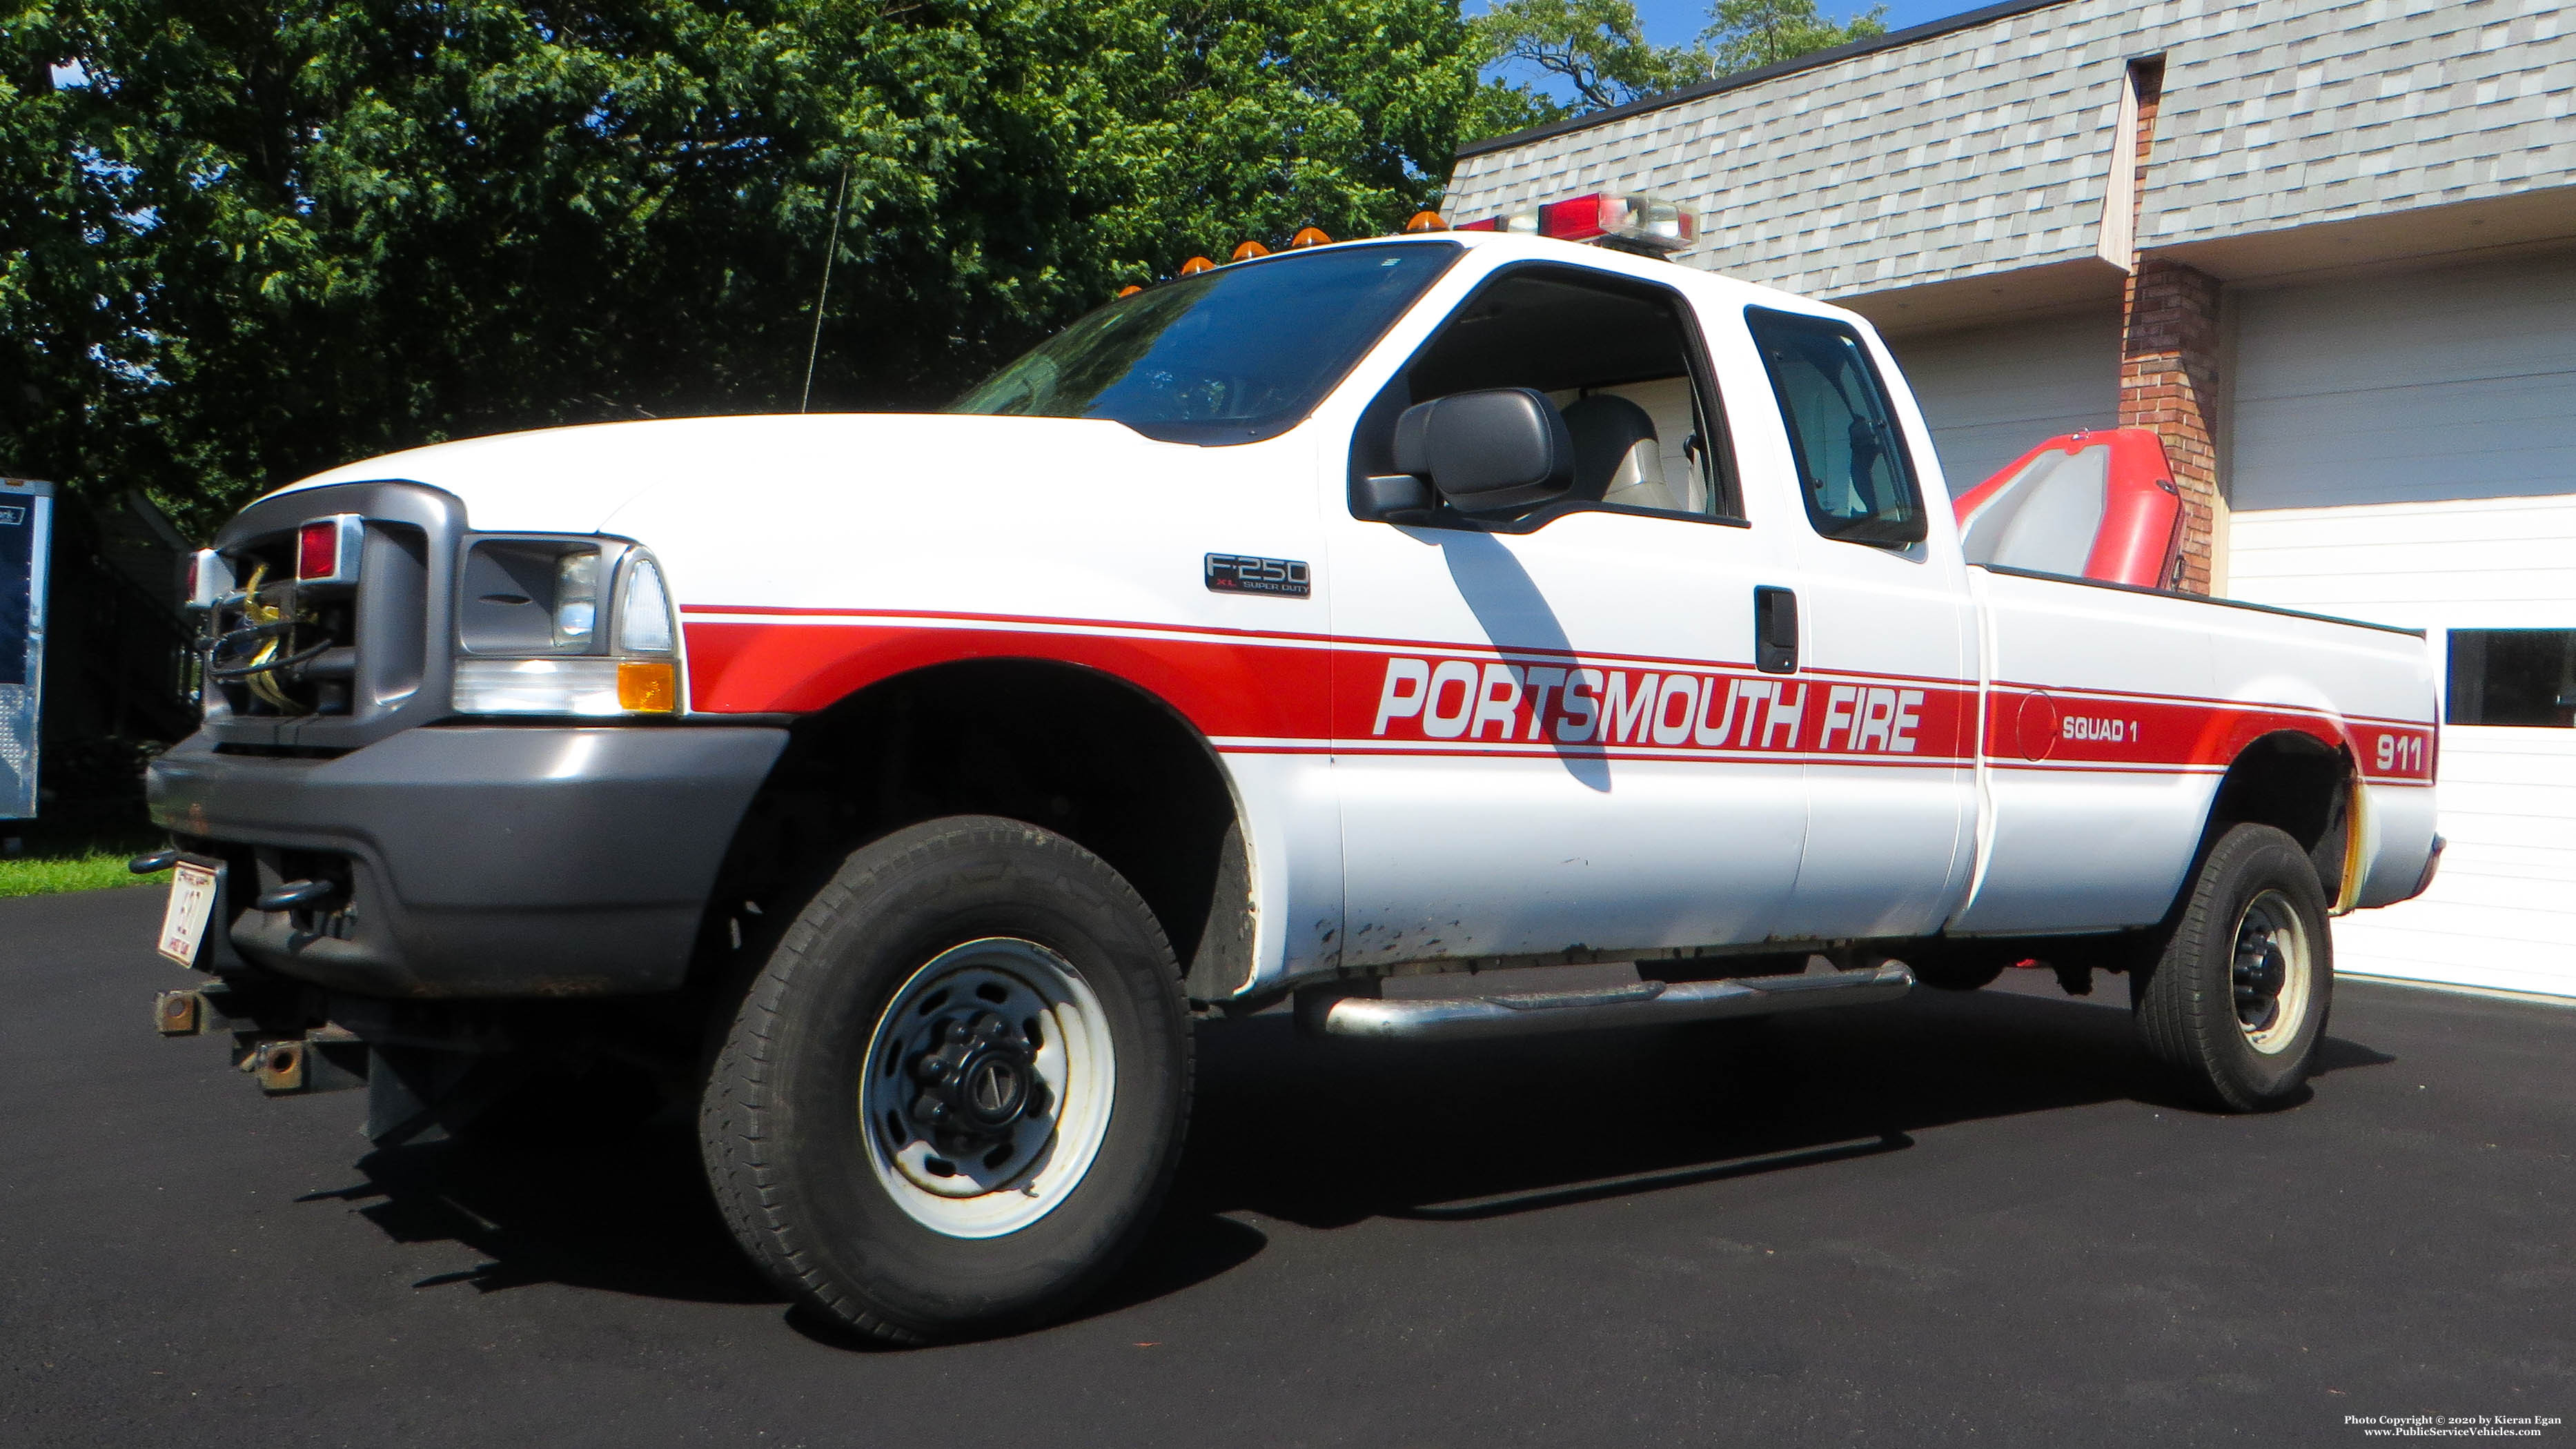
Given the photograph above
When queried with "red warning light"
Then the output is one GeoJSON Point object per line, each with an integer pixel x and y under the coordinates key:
{"type": "Point", "coordinates": [326, 550]}
{"type": "Point", "coordinates": [317, 549]}
{"type": "Point", "coordinates": [1634, 222]}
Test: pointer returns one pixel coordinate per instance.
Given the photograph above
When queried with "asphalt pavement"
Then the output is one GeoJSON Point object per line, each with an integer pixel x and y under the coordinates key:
{"type": "Point", "coordinates": [1949, 1220]}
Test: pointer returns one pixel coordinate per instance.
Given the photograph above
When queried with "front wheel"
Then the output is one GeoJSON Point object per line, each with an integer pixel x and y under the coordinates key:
{"type": "Point", "coordinates": [952, 1099]}
{"type": "Point", "coordinates": [2235, 1004]}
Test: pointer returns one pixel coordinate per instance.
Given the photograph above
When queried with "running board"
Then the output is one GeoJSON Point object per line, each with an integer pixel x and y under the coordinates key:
{"type": "Point", "coordinates": [1648, 1003]}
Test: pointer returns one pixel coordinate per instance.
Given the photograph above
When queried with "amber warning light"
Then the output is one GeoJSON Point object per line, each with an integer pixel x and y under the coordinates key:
{"type": "Point", "coordinates": [1632, 221]}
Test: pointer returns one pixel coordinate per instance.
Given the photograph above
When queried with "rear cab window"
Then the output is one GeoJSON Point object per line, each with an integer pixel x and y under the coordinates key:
{"type": "Point", "coordinates": [1854, 472]}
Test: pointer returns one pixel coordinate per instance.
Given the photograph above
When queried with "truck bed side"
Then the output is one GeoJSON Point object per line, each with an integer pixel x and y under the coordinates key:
{"type": "Point", "coordinates": [2115, 715]}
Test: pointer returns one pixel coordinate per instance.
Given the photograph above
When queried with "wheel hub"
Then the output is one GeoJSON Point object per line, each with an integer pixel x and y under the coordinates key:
{"type": "Point", "coordinates": [988, 1086]}
{"type": "Point", "coordinates": [2260, 971]}
{"type": "Point", "coordinates": [977, 1079]}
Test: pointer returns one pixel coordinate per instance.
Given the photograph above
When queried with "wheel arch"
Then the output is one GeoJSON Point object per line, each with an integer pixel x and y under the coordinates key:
{"type": "Point", "coordinates": [2302, 784]}
{"type": "Point", "coordinates": [1080, 750]}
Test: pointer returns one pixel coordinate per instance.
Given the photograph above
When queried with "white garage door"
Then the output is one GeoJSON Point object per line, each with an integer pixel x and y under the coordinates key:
{"type": "Point", "coordinates": [1995, 394]}
{"type": "Point", "coordinates": [2404, 450]}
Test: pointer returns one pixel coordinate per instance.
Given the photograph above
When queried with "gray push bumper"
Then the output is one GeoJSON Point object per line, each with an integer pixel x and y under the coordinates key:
{"type": "Point", "coordinates": [474, 861]}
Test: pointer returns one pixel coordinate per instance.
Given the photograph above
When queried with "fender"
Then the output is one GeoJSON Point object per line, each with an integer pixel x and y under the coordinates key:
{"type": "Point", "coordinates": [1194, 866]}
{"type": "Point", "coordinates": [1227, 684]}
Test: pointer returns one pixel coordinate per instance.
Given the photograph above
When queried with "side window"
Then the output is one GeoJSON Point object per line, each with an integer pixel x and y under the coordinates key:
{"type": "Point", "coordinates": [1852, 466]}
{"type": "Point", "coordinates": [1620, 361]}
{"type": "Point", "coordinates": [2513, 677]}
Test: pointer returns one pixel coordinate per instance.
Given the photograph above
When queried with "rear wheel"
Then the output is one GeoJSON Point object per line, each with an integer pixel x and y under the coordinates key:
{"type": "Point", "coordinates": [2235, 1004]}
{"type": "Point", "coordinates": [952, 1099]}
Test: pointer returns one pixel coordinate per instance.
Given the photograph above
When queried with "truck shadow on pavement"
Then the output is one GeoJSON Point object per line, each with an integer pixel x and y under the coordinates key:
{"type": "Point", "coordinates": [1325, 1134]}
{"type": "Point", "coordinates": [627, 1212]}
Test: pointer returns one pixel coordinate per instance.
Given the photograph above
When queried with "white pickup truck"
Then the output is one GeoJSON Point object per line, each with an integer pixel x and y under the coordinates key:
{"type": "Point", "coordinates": [905, 785]}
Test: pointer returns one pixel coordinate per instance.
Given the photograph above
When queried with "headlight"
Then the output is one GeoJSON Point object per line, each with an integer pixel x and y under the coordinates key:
{"type": "Point", "coordinates": [530, 637]}
{"type": "Point", "coordinates": [576, 611]}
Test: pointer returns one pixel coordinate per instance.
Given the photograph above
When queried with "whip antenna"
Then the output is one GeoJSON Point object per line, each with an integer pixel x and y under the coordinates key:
{"type": "Point", "coordinates": [814, 349]}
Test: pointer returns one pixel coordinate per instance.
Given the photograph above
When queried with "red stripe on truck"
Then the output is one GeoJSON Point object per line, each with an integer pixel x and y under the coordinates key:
{"type": "Point", "coordinates": [1296, 693]}
{"type": "Point", "coordinates": [1223, 687]}
{"type": "Point", "coordinates": [2027, 728]}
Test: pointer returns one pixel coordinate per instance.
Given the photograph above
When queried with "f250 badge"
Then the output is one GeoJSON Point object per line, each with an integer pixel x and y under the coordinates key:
{"type": "Point", "coordinates": [1231, 573]}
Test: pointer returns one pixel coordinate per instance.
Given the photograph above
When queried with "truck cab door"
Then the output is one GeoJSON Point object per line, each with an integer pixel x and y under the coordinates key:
{"type": "Point", "coordinates": [1886, 631]}
{"type": "Point", "coordinates": [1542, 741]}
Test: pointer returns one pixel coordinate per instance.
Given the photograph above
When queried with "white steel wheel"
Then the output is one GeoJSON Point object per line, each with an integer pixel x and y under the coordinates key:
{"type": "Point", "coordinates": [2270, 975]}
{"type": "Point", "coordinates": [990, 1081]}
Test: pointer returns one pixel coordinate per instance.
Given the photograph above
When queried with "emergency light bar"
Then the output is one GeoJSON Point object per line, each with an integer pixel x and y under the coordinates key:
{"type": "Point", "coordinates": [1628, 221]}
{"type": "Point", "coordinates": [1631, 219]}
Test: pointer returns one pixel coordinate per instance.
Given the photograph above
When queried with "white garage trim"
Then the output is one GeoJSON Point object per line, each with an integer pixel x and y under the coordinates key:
{"type": "Point", "coordinates": [2487, 563]}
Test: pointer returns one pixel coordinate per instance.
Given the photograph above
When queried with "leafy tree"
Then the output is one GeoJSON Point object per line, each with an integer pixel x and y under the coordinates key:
{"type": "Point", "coordinates": [1744, 34]}
{"type": "Point", "coordinates": [1595, 48]}
{"type": "Point", "coordinates": [245, 242]}
{"type": "Point", "coordinates": [1596, 52]}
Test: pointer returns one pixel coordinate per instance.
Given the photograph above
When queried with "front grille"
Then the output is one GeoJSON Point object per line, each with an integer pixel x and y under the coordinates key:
{"type": "Point", "coordinates": [333, 666]}
{"type": "Point", "coordinates": [276, 648]}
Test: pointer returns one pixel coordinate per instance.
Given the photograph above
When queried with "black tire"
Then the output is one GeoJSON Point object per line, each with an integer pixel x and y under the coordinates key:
{"type": "Point", "coordinates": [803, 1185]}
{"type": "Point", "coordinates": [2199, 1003]}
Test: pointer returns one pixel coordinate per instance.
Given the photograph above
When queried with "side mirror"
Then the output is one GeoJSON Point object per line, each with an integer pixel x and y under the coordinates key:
{"type": "Point", "coordinates": [1504, 447]}
{"type": "Point", "coordinates": [1393, 498]}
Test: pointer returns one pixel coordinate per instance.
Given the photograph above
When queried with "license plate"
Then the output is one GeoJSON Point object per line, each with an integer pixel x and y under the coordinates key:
{"type": "Point", "coordinates": [192, 905]}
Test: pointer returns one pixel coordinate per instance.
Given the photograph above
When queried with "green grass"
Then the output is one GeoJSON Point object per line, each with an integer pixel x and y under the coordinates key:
{"type": "Point", "coordinates": [43, 875]}
{"type": "Point", "coordinates": [78, 848]}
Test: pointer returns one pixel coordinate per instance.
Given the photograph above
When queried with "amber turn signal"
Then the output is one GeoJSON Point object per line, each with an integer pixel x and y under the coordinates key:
{"type": "Point", "coordinates": [1312, 236]}
{"type": "Point", "coordinates": [1426, 221]}
{"type": "Point", "coordinates": [648, 686]}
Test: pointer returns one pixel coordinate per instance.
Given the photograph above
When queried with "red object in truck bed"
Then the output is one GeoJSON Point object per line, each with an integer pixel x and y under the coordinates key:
{"type": "Point", "coordinates": [2099, 504]}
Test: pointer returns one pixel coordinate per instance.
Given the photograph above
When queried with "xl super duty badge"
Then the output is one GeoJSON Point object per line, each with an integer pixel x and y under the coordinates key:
{"type": "Point", "coordinates": [1230, 573]}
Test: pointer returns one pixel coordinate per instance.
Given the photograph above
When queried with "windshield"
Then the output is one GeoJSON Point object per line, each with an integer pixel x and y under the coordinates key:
{"type": "Point", "coordinates": [1229, 356]}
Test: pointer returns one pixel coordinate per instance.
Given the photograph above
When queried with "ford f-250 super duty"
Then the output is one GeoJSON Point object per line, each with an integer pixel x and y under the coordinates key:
{"type": "Point", "coordinates": [1439, 603]}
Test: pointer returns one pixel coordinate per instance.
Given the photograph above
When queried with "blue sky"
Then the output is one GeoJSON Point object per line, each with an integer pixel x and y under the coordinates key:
{"type": "Point", "coordinates": [1674, 22]}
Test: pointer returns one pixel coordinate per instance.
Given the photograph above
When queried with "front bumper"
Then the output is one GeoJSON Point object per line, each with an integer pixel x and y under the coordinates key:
{"type": "Point", "coordinates": [475, 861]}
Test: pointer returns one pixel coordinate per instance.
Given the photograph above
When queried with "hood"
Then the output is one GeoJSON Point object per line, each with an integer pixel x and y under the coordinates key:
{"type": "Point", "coordinates": [577, 480]}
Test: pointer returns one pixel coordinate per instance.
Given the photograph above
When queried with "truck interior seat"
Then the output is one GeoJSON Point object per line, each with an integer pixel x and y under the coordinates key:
{"type": "Point", "coordinates": [1617, 458]}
